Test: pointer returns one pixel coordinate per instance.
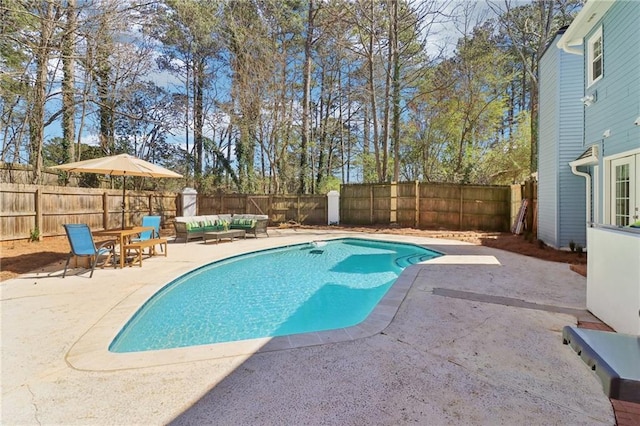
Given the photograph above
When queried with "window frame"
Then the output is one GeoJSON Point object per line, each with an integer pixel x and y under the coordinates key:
{"type": "Point", "coordinates": [591, 59]}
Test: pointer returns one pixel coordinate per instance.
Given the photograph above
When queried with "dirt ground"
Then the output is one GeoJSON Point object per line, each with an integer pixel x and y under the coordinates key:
{"type": "Point", "coordinates": [22, 256]}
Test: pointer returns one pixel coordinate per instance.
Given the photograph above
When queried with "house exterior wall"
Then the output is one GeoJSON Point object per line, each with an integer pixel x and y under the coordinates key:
{"type": "Point", "coordinates": [548, 147]}
{"type": "Point", "coordinates": [613, 275]}
{"type": "Point", "coordinates": [618, 92]}
{"type": "Point", "coordinates": [561, 194]}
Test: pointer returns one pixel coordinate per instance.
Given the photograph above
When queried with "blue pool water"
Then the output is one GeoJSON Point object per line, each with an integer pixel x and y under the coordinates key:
{"type": "Point", "coordinates": [297, 289]}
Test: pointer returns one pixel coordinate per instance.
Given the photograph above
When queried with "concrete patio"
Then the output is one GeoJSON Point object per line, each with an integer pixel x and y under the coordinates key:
{"type": "Point", "coordinates": [476, 340]}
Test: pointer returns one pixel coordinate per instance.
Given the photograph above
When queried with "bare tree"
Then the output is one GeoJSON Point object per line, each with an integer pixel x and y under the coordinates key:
{"type": "Point", "coordinates": [306, 97]}
{"type": "Point", "coordinates": [48, 14]}
{"type": "Point", "coordinates": [530, 28]}
{"type": "Point", "coordinates": [68, 55]}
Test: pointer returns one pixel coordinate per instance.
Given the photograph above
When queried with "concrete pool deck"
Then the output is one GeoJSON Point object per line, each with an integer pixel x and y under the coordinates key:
{"type": "Point", "coordinates": [476, 340]}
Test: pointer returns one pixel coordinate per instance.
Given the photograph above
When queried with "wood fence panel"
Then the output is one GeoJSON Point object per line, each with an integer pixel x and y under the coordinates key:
{"type": "Point", "coordinates": [516, 202]}
{"type": "Point", "coordinates": [209, 204]}
{"type": "Point", "coordinates": [439, 206]}
{"type": "Point", "coordinates": [307, 209]}
{"type": "Point", "coordinates": [282, 209]}
{"type": "Point", "coordinates": [25, 207]}
{"type": "Point", "coordinates": [17, 211]}
{"type": "Point", "coordinates": [485, 208]}
{"type": "Point", "coordinates": [62, 205]}
{"type": "Point", "coordinates": [406, 204]}
{"type": "Point", "coordinates": [356, 204]}
{"type": "Point", "coordinates": [143, 203]}
{"type": "Point", "coordinates": [381, 204]}
{"type": "Point", "coordinates": [258, 204]}
{"type": "Point", "coordinates": [234, 204]}
{"type": "Point", "coordinates": [313, 209]}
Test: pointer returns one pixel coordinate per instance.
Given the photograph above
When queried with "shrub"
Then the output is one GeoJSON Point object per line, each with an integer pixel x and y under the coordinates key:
{"type": "Point", "coordinates": [34, 235]}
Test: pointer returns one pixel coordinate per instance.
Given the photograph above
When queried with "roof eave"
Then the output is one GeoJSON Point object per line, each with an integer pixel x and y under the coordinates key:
{"type": "Point", "coordinates": [591, 13]}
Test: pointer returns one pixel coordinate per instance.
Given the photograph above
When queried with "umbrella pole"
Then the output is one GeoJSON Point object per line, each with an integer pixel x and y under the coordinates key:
{"type": "Point", "coordinates": [124, 188]}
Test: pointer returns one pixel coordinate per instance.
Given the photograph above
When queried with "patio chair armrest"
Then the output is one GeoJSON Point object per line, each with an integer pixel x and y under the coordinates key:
{"type": "Point", "coordinates": [110, 244]}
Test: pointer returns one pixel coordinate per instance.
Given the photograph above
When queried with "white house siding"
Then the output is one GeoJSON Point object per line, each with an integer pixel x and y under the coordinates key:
{"type": "Point", "coordinates": [561, 194]}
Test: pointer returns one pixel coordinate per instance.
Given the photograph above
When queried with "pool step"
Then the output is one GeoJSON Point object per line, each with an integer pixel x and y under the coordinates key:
{"type": "Point", "coordinates": [411, 259]}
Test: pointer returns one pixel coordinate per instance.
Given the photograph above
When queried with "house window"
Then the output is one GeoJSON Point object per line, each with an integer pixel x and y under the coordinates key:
{"type": "Point", "coordinates": [595, 59]}
{"type": "Point", "coordinates": [625, 190]}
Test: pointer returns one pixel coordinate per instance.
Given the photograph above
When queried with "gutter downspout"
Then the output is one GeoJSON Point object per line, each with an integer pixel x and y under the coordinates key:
{"type": "Point", "coordinates": [587, 176]}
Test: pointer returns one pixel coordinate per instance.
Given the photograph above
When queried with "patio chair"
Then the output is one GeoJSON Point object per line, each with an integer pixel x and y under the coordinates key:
{"type": "Point", "coordinates": [82, 245]}
{"type": "Point", "coordinates": [148, 235]}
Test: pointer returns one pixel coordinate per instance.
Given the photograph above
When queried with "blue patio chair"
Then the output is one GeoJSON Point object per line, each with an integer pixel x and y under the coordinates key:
{"type": "Point", "coordinates": [147, 235]}
{"type": "Point", "coordinates": [82, 245]}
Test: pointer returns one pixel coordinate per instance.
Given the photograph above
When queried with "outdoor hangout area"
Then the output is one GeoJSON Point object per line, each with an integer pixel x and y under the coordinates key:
{"type": "Point", "coordinates": [126, 248]}
{"type": "Point", "coordinates": [320, 213]}
{"type": "Point", "coordinates": [217, 227]}
{"type": "Point", "coordinates": [130, 244]}
{"type": "Point", "coordinates": [470, 285]}
{"type": "Point", "coordinates": [458, 347]}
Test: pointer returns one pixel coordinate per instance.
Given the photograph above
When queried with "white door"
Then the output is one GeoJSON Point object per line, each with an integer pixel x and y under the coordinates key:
{"type": "Point", "coordinates": [625, 190]}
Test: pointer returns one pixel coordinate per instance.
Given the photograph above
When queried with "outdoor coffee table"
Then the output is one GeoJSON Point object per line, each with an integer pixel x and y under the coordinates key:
{"type": "Point", "coordinates": [219, 235]}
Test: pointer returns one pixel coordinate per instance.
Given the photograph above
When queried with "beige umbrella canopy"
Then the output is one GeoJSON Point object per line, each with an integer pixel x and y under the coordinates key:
{"type": "Point", "coordinates": [119, 165]}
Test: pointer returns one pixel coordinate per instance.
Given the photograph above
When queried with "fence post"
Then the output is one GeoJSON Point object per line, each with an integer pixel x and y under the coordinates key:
{"type": "Point", "coordinates": [298, 209]}
{"type": "Point", "coordinates": [528, 193]}
{"type": "Point", "coordinates": [461, 204]}
{"type": "Point", "coordinates": [393, 208]}
{"type": "Point", "coordinates": [371, 204]}
{"type": "Point", "coordinates": [105, 210]}
{"type": "Point", "coordinates": [332, 209]}
{"type": "Point", "coordinates": [417, 206]}
{"type": "Point", "coordinates": [38, 206]}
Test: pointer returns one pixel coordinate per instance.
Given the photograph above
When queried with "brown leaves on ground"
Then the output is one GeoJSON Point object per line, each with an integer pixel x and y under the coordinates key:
{"type": "Point", "coordinates": [22, 256]}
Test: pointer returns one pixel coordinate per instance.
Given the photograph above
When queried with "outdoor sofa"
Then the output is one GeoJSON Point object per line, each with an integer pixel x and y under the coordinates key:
{"type": "Point", "coordinates": [192, 227]}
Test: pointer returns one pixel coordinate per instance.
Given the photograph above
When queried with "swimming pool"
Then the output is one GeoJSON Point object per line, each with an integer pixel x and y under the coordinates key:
{"type": "Point", "coordinates": [302, 288]}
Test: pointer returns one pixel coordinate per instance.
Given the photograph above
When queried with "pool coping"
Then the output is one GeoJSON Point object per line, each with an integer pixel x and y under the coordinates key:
{"type": "Point", "coordinates": [90, 352]}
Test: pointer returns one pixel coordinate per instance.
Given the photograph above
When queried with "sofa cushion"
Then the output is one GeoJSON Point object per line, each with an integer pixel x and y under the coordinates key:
{"type": "Point", "coordinates": [225, 217]}
{"type": "Point", "coordinates": [194, 226]}
{"type": "Point", "coordinates": [210, 217]}
{"type": "Point", "coordinates": [209, 225]}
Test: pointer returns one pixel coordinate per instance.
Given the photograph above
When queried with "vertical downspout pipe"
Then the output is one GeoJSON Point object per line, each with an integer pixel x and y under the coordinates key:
{"type": "Point", "coordinates": [587, 176]}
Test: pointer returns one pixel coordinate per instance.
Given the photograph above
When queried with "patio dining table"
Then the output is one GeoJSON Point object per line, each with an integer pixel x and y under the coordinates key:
{"type": "Point", "coordinates": [122, 236]}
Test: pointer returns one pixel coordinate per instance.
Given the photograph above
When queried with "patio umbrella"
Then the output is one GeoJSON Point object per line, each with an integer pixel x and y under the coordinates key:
{"type": "Point", "coordinates": [119, 165]}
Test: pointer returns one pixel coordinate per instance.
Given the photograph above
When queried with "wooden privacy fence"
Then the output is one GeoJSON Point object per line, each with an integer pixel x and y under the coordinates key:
{"type": "Point", "coordinates": [36, 209]}
{"type": "Point", "coordinates": [427, 205]}
{"type": "Point", "coordinates": [27, 208]}
{"type": "Point", "coordinates": [307, 209]}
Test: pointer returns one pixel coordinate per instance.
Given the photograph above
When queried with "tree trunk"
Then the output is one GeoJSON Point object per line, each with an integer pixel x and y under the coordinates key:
{"type": "Point", "coordinates": [372, 96]}
{"type": "Point", "coordinates": [198, 122]}
{"type": "Point", "coordinates": [306, 100]}
{"type": "Point", "coordinates": [68, 82]}
{"type": "Point", "coordinates": [36, 118]}
{"type": "Point", "coordinates": [396, 93]}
